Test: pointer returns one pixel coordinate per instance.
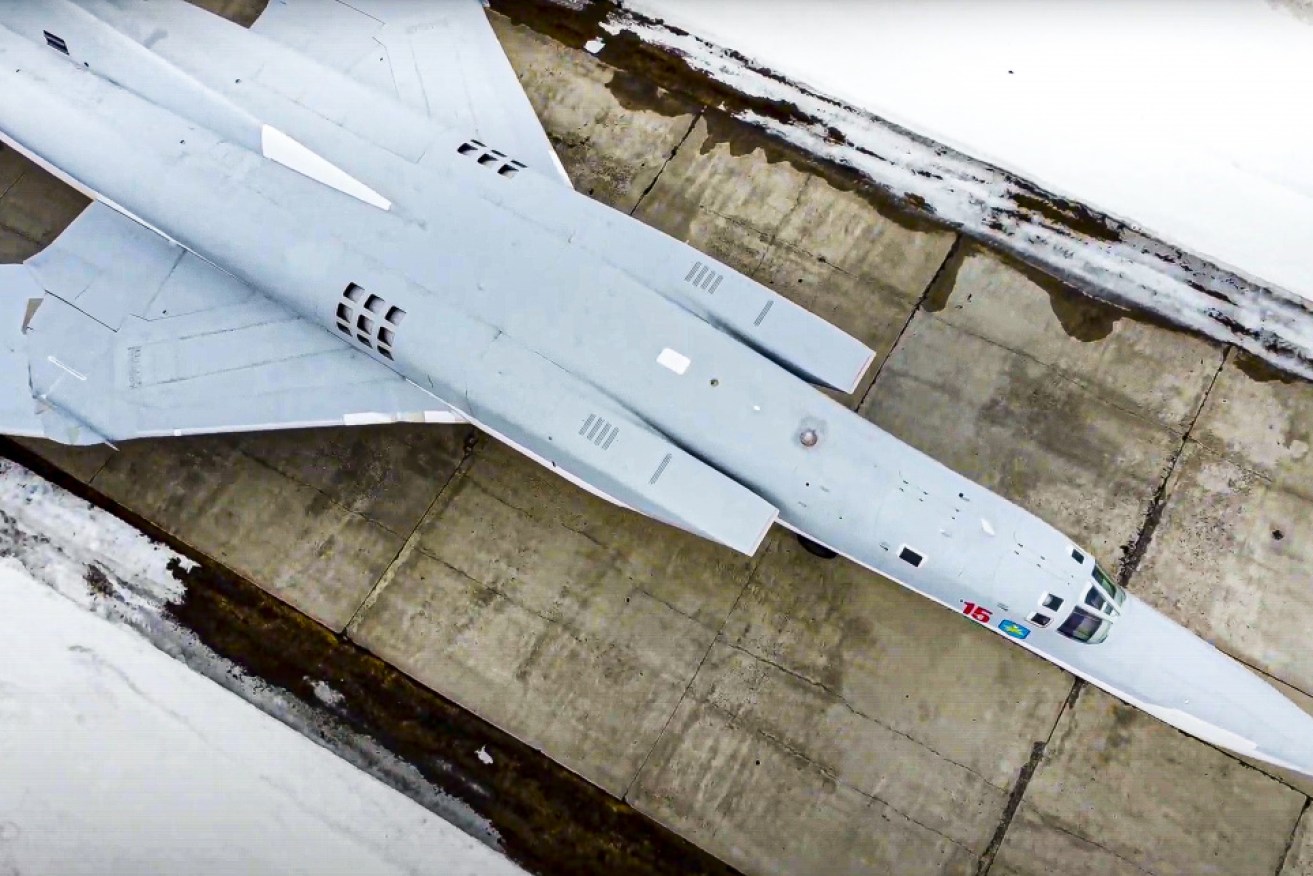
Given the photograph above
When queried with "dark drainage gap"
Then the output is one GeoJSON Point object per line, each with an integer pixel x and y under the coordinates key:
{"type": "Point", "coordinates": [551, 821]}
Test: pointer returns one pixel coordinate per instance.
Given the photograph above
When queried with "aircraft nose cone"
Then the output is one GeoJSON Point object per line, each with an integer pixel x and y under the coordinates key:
{"type": "Point", "coordinates": [1184, 681]}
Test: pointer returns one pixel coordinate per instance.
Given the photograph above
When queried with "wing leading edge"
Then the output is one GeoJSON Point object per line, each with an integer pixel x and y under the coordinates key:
{"type": "Point", "coordinates": [440, 59]}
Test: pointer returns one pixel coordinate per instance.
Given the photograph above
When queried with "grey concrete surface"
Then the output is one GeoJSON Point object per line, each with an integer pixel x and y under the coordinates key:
{"type": "Point", "coordinates": [1299, 859]}
{"type": "Point", "coordinates": [1052, 402]}
{"type": "Point", "coordinates": [789, 715]}
{"type": "Point", "coordinates": [558, 616]}
{"type": "Point", "coordinates": [296, 526]}
{"type": "Point", "coordinates": [835, 702]}
{"type": "Point", "coordinates": [1233, 553]}
{"type": "Point", "coordinates": [1120, 792]}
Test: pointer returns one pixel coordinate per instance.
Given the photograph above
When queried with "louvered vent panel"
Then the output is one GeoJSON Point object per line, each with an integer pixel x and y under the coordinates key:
{"type": "Point", "coordinates": [599, 431]}
{"type": "Point", "coordinates": [704, 277]}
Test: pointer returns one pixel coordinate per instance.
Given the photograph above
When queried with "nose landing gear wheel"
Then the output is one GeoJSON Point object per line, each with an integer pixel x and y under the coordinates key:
{"type": "Point", "coordinates": [815, 549]}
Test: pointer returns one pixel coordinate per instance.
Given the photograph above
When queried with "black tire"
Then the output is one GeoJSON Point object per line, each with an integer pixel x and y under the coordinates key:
{"type": "Point", "coordinates": [815, 549]}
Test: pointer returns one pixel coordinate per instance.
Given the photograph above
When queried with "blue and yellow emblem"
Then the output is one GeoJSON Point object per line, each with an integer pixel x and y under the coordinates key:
{"type": "Point", "coordinates": [1014, 629]}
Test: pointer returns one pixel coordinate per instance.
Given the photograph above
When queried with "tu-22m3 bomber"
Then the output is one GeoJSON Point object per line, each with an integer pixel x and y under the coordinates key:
{"type": "Point", "coordinates": [349, 214]}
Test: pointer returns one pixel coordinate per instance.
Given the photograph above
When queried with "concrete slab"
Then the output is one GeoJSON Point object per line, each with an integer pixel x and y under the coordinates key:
{"type": "Point", "coordinates": [37, 206]}
{"type": "Point", "coordinates": [12, 167]}
{"type": "Point", "coordinates": [389, 474]}
{"type": "Point", "coordinates": [612, 131]}
{"type": "Point", "coordinates": [1088, 452]}
{"type": "Point", "coordinates": [1133, 364]}
{"type": "Point", "coordinates": [244, 12]}
{"type": "Point", "coordinates": [1299, 860]}
{"type": "Point", "coordinates": [844, 724]}
{"type": "Point", "coordinates": [567, 621]}
{"type": "Point", "coordinates": [1231, 559]}
{"type": "Point", "coordinates": [765, 809]}
{"type": "Point", "coordinates": [294, 540]}
{"type": "Point", "coordinates": [1120, 792]}
{"type": "Point", "coordinates": [15, 248]}
{"type": "Point", "coordinates": [1260, 419]}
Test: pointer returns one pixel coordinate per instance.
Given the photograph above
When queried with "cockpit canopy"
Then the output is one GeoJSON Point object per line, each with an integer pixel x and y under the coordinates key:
{"type": "Point", "coordinates": [1092, 621]}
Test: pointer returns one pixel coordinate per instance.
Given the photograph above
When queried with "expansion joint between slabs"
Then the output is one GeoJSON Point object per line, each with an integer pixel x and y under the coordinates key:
{"type": "Point", "coordinates": [1135, 549]}
{"type": "Point", "coordinates": [1290, 840]}
{"type": "Point", "coordinates": [669, 158]}
{"type": "Point", "coordinates": [954, 255]}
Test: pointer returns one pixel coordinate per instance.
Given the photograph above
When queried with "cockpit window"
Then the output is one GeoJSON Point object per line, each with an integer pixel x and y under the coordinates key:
{"type": "Point", "coordinates": [1112, 587]}
{"type": "Point", "coordinates": [1096, 600]}
{"type": "Point", "coordinates": [1083, 626]}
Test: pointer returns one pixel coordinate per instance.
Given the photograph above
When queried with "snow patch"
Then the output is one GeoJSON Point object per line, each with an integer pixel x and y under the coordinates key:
{"type": "Point", "coordinates": [594, 46]}
{"type": "Point", "coordinates": [326, 694]}
{"type": "Point", "coordinates": [83, 598]}
{"type": "Point", "coordinates": [1219, 298]}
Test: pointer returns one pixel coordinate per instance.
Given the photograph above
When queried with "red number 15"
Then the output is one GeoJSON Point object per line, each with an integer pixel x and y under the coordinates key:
{"type": "Point", "coordinates": [978, 612]}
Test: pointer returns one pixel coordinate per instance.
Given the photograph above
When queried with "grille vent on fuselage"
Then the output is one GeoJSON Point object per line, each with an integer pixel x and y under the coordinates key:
{"type": "Point", "coordinates": [486, 156]}
{"type": "Point", "coordinates": [703, 277]}
{"type": "Point", "coordinates": [369, 319]}
{"type": "Point", "coordinates": [599, 431]}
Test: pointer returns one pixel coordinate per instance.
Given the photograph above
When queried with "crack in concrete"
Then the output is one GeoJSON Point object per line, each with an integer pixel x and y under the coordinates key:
{"type": "Point", "coordinates": [1014, 803]}
{"type": "Point", "coordinates": [747, 582]}
{"type": "Point", "coordinates": [1135, 549]}
{"type": "Point", "coordinates": [1290, 840]}
{"type": "Point", "coordinates": [858, 712]}
{"type": "Point", "coordinates": [410, 543]}
{"type": "Point", "coordinates": [667, 605]}
{"type": "Point", "coordinates": [1049, 823]}
{"type": "Point", "coordinates": [669, 158]}
{"type": "Point", "coordinates": [1027, 773]}
{"type": "Point", "coordinates": [834, 777]}
{"type": "Point", "coordinates": [953, 253]}
{"type": "Point", "coordinates": [22, 234]}
{"type": "Point", "coordinates": [9, 188]}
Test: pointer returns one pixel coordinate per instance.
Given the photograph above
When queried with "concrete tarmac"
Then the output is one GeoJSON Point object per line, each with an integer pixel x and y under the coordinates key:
{"type": "Point", "coordinates": [791, 715]}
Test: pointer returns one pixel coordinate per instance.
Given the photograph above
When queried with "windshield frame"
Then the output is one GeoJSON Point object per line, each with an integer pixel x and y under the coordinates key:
{"type": "Point", "coordinates": [1114, 591]}
{"type": "Point", "coordinates": [1083, 618]}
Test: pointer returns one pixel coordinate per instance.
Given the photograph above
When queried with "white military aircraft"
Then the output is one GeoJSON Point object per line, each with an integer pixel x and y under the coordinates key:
{"type": "Point", "coordinates": [349, 214]}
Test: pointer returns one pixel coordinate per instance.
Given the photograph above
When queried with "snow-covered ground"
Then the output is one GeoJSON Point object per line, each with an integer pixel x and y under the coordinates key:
{"type": "Point", "coordinates": [1189, 120]}
{"type": "Point", "coordinates": [115, 758]}
{"type": "Point", "coordinates": [1184, 123]}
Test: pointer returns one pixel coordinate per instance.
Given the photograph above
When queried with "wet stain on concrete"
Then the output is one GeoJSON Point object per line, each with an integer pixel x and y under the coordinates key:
{"type": "Point", "coordinates": [945, 281]}
{"type": "Point", "coordinates": [1119, 734]}
{"type": "Point", "coordinates": [550, 820]}
{"type": "Point", "coordinates": [1260, 371]}
{"type": "Point", "coordinates": [639, 94]}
